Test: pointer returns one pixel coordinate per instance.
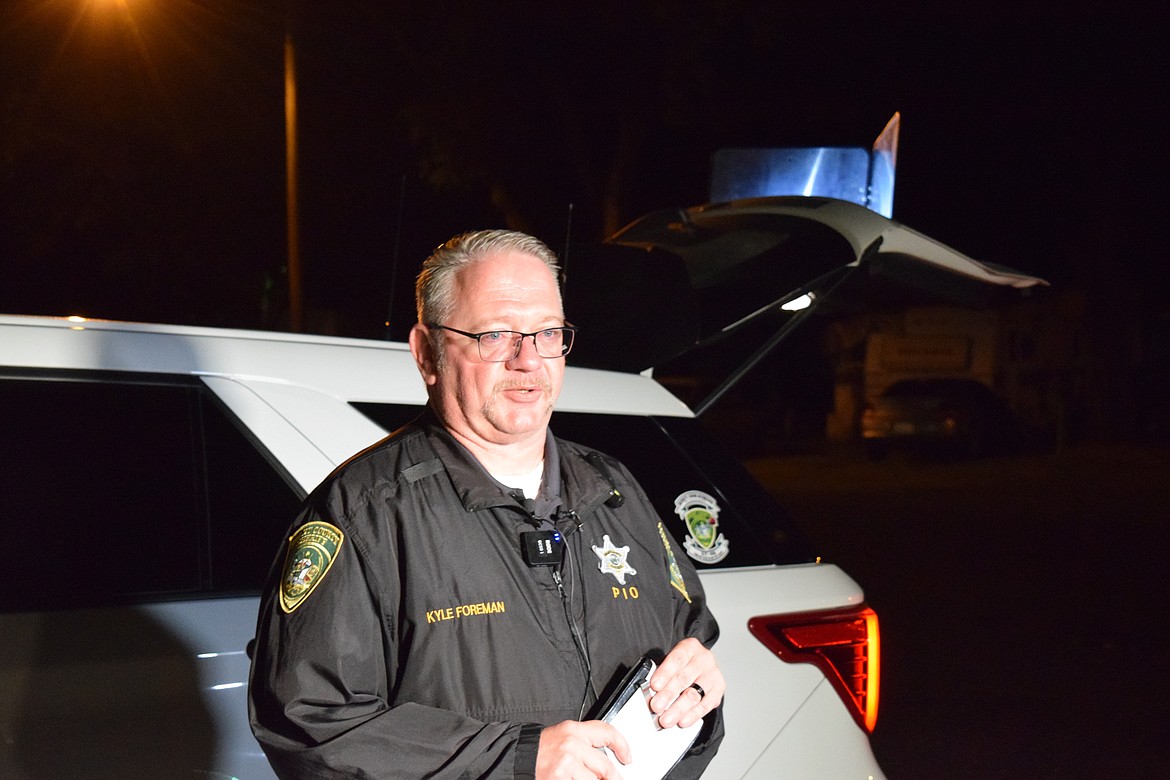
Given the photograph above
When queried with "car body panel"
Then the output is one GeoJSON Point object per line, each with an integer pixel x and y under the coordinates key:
{"type": "Point", "coordinates": [124, 672]}
{"type": "Point", "coordinates": [861, 227]}
{"type": "Point", "coordinates": [353, 369]}
{"type": "Point", "coordinates": [128, 692]}
{"type": "Point", "coordinates": [304, 460]}
{"type": "Point", "coordinates": [786, 758]}
{"type": "Point", "coordinates": [764, 697]}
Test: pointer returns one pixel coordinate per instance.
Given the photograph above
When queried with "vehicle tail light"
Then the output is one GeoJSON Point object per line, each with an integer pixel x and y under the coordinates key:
{"type": "Point", "coordinates": [842, 643]}
{"type": "Point", "coordinates": [950, 418]}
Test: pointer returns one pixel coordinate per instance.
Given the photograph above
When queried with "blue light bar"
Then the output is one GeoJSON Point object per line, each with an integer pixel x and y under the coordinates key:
{"type": "Point", "coordinates": [856, 174]}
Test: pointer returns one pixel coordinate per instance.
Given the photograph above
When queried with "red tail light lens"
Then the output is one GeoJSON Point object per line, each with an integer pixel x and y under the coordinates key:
{"type": "Point", "coordinates": [844, 644]}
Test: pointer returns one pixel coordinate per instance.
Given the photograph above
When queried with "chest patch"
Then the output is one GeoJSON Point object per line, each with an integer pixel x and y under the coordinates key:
{"type": "Point", "coordinates": [613, 560]}
{"type": "Point", "coordinates": [311, 551]}
{"type": "Point", "coordinates": [701, 514]}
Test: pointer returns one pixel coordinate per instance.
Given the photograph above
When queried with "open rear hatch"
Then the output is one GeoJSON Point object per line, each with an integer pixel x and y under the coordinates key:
{"type": "Point", "coordinates": [679, 280]}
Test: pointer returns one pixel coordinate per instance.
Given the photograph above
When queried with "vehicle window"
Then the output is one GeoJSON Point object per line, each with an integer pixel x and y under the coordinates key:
{"type": "Point", "coordinates": [249, 502]}
{"type": "Point", "coordinates": [118, 490]}
{"type": "Point", "coordinates": [390, 417]}
{"type": "Point", "coordinates": [673, 457]}
{"type": "Point", "coordinates": [670, 458]}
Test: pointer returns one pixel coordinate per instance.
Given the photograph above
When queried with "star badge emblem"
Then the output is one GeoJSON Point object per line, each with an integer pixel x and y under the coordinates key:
{"type": "Point", "coordinates": [613, 560]}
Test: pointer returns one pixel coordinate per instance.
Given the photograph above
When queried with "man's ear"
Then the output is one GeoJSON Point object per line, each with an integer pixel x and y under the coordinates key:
{"type": "Point", "coordinates": [424, 353]}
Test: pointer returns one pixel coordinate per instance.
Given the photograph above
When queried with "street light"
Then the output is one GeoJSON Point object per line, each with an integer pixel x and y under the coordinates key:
{"type": "Point", "coordinates": [145, 24]}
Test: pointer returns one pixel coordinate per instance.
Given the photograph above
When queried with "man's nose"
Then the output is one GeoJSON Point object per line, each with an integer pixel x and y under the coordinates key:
{"type": "Point", "coordinates": [527, 356]}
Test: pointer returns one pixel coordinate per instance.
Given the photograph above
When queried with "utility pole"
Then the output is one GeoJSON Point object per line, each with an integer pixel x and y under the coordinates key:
{"type": "Point", "coordinates": [295, 302]}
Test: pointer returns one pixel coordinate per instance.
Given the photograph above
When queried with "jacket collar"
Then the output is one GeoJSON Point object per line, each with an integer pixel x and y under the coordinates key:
{"type": "Point", "coordinates": [569, 481]}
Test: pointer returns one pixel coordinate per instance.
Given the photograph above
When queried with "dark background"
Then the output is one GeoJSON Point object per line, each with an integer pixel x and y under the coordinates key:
{"type": "Point", "coordinates": [1019, 600]}
{"type": "Point", "coordinates": [142, 141]}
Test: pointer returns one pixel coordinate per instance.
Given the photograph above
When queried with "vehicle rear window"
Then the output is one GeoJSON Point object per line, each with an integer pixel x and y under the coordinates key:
{"type": "Point", "coordinates": [673, 459]}
{"type": "Point", "coordinates": [683, 472]}
{"type": "Point", "coordinates": [116, 489]}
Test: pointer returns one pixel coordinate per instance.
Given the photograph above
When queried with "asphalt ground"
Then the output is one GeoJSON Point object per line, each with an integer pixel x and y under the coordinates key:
{"type": "Point", "coordinates": [1022, 602]}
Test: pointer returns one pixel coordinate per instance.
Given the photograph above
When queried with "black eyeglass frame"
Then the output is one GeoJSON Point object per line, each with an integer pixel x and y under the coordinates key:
{"type": "Point", "coordinates": [566, 328]}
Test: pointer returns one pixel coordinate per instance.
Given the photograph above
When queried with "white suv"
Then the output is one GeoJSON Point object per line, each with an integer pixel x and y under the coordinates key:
{"type": "Point", "coordinates": [149, 472]}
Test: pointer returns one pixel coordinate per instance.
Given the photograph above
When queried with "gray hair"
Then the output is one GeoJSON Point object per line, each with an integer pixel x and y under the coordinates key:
{"type": "Point", "coordinates": [434, 295]}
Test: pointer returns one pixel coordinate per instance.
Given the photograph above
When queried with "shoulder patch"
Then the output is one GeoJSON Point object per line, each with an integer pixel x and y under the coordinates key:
{"type": "Point", "coordinates": [676, 578]}
{"type": "Point", "coordinates": [311, 551]}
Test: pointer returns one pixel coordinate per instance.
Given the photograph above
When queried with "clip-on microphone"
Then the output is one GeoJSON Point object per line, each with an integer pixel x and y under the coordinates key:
{"type": "Point", "coordinates": [542, 548]}
{"type": "Point", "coordinates": [539, 548]}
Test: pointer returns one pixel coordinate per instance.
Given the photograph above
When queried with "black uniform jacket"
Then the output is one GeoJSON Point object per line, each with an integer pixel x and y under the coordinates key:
{"type": "Point", "coordinates": [427, 647]}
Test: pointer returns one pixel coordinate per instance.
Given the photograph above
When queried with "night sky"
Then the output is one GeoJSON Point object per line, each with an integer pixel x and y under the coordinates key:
{"type": "Point", "coordinates": [143, 140]}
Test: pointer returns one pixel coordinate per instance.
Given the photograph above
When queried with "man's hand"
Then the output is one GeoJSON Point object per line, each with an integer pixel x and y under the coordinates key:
{"type": "Point", "coordinates": [675, 699]}
{"type": "Point", "coordinates": [568, 751]}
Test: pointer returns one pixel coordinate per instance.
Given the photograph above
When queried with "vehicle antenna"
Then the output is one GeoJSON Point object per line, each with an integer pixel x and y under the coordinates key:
{"type": "Point", "coordinates": [565, 254]}
{"type": "Point", "coordinates": [394, 259]}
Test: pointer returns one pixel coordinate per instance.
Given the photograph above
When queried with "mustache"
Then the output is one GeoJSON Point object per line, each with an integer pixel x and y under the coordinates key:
{"type": "Point", "coordinates": [540, 384]}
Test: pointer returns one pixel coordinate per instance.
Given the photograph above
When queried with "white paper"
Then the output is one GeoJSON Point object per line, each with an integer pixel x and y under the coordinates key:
{"type": "Point", "coordinates": [655, 750]}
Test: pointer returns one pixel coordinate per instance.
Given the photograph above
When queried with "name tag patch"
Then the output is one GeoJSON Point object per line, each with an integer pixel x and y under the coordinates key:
{"type": "Point", "coordinates": [465, 610]}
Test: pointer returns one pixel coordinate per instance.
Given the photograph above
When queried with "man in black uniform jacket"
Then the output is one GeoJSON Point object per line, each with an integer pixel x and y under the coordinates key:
{"type": "Point", "coordinates": [453, 601]}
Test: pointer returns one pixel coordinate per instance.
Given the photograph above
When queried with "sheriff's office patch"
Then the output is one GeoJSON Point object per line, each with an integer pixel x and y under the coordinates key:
{"type": "Point", "coordinates": [676, 578]}
{"type": "Point", "coordinates": [613, 560]}
{"type": "Point", "coordinates": [701, 514]}
{"type": "Point", "coordinates": [311, 551]}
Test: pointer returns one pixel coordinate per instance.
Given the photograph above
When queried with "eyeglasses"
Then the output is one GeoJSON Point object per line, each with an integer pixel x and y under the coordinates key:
{"type": "Point", "coordinates": [500, 346]}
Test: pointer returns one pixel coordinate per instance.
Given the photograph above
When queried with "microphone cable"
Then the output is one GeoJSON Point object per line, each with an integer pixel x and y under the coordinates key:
{"type": "Point", "coordinates": [579, 638]}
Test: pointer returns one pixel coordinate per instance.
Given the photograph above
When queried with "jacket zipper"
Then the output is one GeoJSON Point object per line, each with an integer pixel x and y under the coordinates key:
{"type": "Point", "coordinates": [588, 696]}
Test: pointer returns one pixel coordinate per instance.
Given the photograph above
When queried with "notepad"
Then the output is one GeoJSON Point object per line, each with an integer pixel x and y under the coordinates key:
{"type": "Point", "coordinates": [655, 750]}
